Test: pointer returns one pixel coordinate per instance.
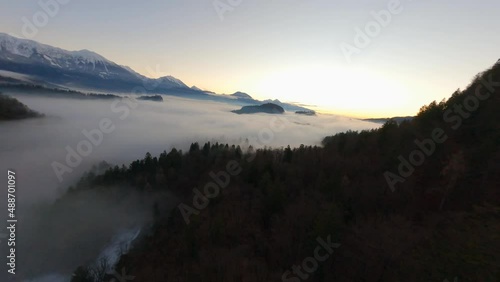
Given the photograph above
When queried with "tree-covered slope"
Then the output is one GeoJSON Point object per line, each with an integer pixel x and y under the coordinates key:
{"type": "Point", "coordinates": [12, 109]}
{"type": "Point", "coordinates": [416, 201]}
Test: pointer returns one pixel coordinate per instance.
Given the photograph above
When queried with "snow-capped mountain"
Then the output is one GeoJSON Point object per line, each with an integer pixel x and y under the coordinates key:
{"type": "Point", "coordinates": [172, 80]}
{"type": "Point", "coordinates": [59, 57]}
{"type": "Point", "coordinates": [82, 69]}
{"type": "Point", "coordinates": [25, 61]}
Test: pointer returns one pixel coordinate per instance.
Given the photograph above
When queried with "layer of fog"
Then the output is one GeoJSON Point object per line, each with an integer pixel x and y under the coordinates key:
{"type": "Point", "coordinates": [31, 147]}
{"type": "Point", "coordinates": [84, 228]}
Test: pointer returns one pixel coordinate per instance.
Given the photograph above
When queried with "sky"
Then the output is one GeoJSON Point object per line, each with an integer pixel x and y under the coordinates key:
{"type": "Point", "coordinates": [292, 50]}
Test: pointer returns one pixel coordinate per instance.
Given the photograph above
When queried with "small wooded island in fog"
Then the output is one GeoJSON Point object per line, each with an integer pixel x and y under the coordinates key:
{"type": "Point", "coordinates": [268, 108]}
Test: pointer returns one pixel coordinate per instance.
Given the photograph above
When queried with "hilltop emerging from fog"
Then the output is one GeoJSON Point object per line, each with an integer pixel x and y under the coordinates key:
{"type": "Point", "coordinates": [12, 109]}
{"type": "Point", "coordinates": [268, 108]}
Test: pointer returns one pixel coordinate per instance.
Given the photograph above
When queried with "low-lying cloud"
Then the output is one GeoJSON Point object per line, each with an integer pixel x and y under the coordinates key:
{"type": "Point", "coordinates": [30, 147]}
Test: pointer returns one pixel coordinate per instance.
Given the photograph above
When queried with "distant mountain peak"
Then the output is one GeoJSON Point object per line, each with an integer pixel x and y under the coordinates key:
{"type": "Point", "coordinates": [241, 95]}
{"type": "Point", "coordinates": [275, 101]}
{"type": "Point", "coordinates": [89, 55]}
{"type": "Point", "coordinates": [84, 69]}
{"type": "Point", "coordinates": [174, 80]}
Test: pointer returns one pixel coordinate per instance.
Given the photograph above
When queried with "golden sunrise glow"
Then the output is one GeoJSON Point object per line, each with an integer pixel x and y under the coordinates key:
{"type": "Point", "coordinates": [278, 50]}
{"type": "Point", "coordinates": [350, 92]}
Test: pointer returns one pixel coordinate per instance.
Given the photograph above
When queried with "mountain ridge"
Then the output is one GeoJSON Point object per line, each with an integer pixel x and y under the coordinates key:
{"type": "Point", "coordinates": [83, 68]}
{"type": "Point", "coordinates": [88, 71]}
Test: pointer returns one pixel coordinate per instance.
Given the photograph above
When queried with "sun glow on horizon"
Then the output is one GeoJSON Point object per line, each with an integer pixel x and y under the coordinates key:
{"type": "Point", "coordinates": [346, 91]}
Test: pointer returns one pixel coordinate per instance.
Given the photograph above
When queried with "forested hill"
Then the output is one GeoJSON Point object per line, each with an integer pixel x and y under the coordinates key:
{"type": "Point", "coordinates": [12, 109]}
{"type": "Point", "coordinates": [416, 201]}
{"type": "Point", "coordinates": [268, 108]}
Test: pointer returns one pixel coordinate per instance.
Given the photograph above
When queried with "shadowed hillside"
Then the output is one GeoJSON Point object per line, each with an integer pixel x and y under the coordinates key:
{"type": "Point", "coordinates": [12, 109]}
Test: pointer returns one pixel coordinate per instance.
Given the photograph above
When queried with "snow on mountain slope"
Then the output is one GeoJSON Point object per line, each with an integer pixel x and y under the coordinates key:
{"type": "Point", "coordinates": [56, 56]}
{"type": "Point", "coordinates": [84, 68]}
{"type": "Point", "coordinates": [173, 80]}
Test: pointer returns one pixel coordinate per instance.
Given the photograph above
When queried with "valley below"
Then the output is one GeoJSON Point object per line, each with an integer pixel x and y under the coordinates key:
{"type": "Point", "coordinates": [50, 155]}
